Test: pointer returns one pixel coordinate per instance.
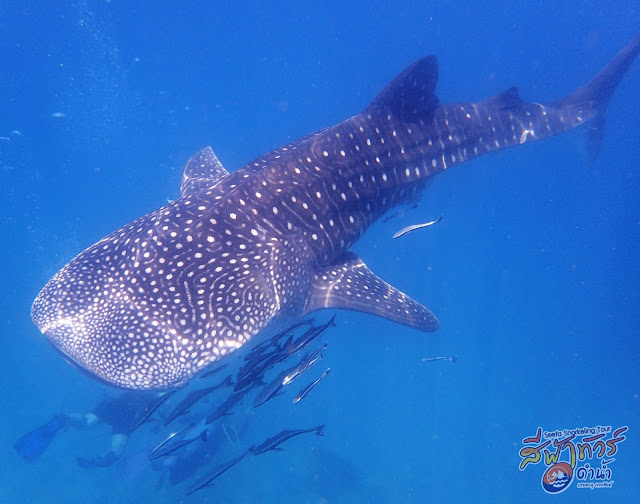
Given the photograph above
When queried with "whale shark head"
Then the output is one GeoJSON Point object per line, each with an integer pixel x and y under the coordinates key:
{"type": "Point", "coordinates": [164, 296]}
{"type": "Point", "coordinates": [147, 310]}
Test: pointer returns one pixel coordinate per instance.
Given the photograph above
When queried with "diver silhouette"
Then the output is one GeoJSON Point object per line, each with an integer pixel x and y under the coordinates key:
{"type": "Point", "coordinates": [121, 413]}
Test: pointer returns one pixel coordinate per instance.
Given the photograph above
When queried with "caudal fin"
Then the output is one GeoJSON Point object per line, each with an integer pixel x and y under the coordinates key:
{"type": "Point", "coordinates": [593, 97]}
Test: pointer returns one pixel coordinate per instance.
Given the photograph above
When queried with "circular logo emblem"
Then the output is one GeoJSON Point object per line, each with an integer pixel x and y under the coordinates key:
{"type": "Point", "coordinates": [557, 478]}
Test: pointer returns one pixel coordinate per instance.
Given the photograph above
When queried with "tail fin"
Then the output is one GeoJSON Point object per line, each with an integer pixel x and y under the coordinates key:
{"type": "Point", "coordinates": [594, 95]}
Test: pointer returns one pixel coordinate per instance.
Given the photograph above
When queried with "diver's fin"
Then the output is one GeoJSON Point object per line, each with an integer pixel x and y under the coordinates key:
{"type": "Point", "coordinates": [348, 284]}
{"type": "Point", "coordinates": [34, 443]}
{"type": "Point", "coordinates": [203, 169]}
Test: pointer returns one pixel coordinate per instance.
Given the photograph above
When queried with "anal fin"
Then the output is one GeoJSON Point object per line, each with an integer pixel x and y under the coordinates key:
{"type": "Point", "coordinates": [349, 284]}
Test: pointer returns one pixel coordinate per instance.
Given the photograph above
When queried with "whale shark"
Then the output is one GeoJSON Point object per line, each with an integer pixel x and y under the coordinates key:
{"type": "Point", "coordinates": [241, 252]}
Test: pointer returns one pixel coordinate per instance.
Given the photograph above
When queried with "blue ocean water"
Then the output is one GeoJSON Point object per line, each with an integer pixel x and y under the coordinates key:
{"type": "Point", "coordinates": [533, 273]}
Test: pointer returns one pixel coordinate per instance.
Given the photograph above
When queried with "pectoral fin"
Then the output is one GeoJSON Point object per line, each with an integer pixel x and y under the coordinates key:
{"type": "Point", "coordinates": [348, 284]}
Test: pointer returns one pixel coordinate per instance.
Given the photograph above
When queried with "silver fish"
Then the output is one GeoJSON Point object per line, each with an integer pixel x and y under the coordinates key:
{"type": "Point", "coordinates": [217, 472]}
{"type": "Point", "coordinates": [452, 359]}
{"type": "Point", "coordinates": [413, 227]}
{"type": "Point", "coordinates": [305, 363]}
{"type": "Point", "coordinates": [305, 391]}
{"type": "Point", "coordinates": [273, 442]}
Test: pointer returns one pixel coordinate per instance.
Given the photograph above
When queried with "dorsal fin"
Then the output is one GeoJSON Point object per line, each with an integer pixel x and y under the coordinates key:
{"type": "Point", "coordinates": [411, 95]}
{"type": "Point", "coordinates": [508, 99]}
{"type": "Point", "coordinates": [203, 169]}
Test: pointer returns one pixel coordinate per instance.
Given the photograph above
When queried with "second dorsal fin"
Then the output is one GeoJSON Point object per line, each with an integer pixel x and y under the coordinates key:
{"type": "Point", "coordinates": [507, 99]}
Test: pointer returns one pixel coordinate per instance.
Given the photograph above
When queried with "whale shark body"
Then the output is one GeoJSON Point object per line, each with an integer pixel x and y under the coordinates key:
{"type": "Point", "coordinates": [163, 297]}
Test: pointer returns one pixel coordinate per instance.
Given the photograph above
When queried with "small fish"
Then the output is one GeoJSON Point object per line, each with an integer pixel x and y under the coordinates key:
{"type": "Point", "coordinates": [214, 371]}
{"type": "Point", "coordinates": [225, 408]}
{"type": "Point", "coordinates": [5, 139]}
{"type": "Point", "coordinates": [217, 471]}
{"type": "Point", "coordinates": [249, 367]}
{"type": "Point", "coordinates": [151, 409]}
{"type": "Point", "coordinates": [166, 440]}
{"type": "Point", "coordinates": [453, 359]}
{"type": "Point", "coordinates": [58, 115]}
{"type": "Point", "coordinates": [413, 227]}
{"type": "Point", "coordinates": [311, 334]}
{"type": "Point", "coordinates": [277, 337]}
{"type": "Point", "coordinates": [286, 344]}
{"type": "Point", "coordinates": [273, 442]}
{"type": "Point", "coordinates": [301, 395]}
{"type": "Point", "coordinates": [307, 361]}
{"type": "Point", "coordinates": [250, 381]}
{"type": "Point", "coordinates": [258, 351]}
{"type": "Point", "coordinates": [271, 390]}
{"type": "Point", "coordinates": [254, 375]}
{"type": "Point", "coordinates": [169, 449]}
{"type": "Point", "coordinates": [251, 378]}
{"type": "Point", "coordinates": [192, 398]}
{"type": "Point", "coordinates": [261, 358]}
{"type": "Point", "coordinates": [400, 213]}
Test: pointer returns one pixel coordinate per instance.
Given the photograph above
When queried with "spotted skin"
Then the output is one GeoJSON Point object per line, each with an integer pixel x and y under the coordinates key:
{"type": "Point", "coordinates": [175, 290]}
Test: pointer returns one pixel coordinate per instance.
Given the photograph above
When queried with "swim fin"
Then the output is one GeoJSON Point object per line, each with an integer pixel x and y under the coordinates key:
{"type": "Point", "coordinates": [33, 444]}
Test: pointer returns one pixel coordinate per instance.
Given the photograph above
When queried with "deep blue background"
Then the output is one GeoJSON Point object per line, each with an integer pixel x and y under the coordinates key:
{"type": "Point", "coordinates": [534, 272]}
